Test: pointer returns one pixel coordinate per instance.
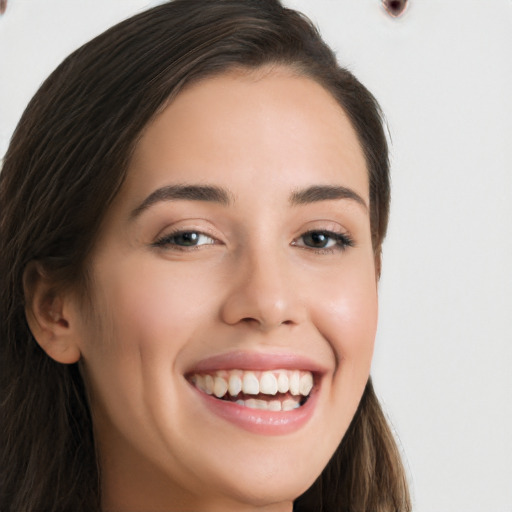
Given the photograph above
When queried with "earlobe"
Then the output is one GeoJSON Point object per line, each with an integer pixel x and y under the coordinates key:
{"type": "Point", "coordinates": [49, 315]}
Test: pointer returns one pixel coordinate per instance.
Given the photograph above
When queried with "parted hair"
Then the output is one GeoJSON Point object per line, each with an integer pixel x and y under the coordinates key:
{"type": "Point", "coordinates": [66, 162]}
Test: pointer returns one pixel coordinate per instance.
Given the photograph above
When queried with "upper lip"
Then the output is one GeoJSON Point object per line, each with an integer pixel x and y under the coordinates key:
{"type": "Point", "coordinates": [244, 360]}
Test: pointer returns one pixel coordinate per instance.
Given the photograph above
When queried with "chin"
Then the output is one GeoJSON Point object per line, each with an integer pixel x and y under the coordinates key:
{"type": "Point", "coordinates": [263, 476]}
{"type": "Point", "coordinates": [268, 489]}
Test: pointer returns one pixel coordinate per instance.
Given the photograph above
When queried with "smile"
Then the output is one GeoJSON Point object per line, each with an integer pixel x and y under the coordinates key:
{"type": "Point", "coordinates": [275, 390]}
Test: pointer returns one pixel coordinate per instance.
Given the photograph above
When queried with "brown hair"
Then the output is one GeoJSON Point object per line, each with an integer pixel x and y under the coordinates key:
{"type": "Point", "coordinates": [66, 162]}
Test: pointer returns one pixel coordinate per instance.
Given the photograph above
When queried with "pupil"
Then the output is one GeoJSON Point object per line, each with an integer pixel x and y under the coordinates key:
{"type": "Point", "coordinates": [188, 238]}
{"type": "Point", "coordinates": [316, 239]}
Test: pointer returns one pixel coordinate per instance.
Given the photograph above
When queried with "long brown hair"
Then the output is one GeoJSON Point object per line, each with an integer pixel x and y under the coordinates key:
{"type": "Point", "coordinates": [66, 162]}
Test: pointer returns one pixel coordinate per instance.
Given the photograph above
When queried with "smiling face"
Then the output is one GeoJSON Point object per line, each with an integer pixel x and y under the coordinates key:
{"type": "Point", "coordinates": [235, 299]}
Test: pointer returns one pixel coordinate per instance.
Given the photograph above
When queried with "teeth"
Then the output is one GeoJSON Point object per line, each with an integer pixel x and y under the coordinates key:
{"type": "Point", "coordinates": [208, 384]}
{"type": "Point", "coordinates": [220, 387]}
{"type": "Point", "coordinates": [295, 383]}
{"type": "Point", "coordinates": [268, 383]}
{"type": "Point", "coordinates": [234, 382]}
{"type": "Point", "coordinates": [252, 403]}
{"type": "Point", "coordinates": [274, 405]}
{"type": "Point", "coordinates": [289, 405]}
{"type": "Point", "coordinates": [306, 384]}
{"type": "Point", "coordinates": [198, 381]}
{"type": "Point", "coordinates": [283, 384]}
{"type": "Point", "coordinates": [250, 384]}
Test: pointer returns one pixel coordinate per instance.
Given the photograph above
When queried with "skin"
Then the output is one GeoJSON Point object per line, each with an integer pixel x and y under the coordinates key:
{"type": "Point", "coordinates": [252, 284]}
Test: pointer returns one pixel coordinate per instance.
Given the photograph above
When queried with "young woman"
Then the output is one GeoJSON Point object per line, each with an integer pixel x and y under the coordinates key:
{"type": "Point", "coordinates": [193, 207]}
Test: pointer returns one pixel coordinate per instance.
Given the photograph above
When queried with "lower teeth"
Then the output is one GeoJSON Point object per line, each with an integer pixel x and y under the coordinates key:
{"type": "Point", "coordinates": [286, 403]}
{"type": "Point", "coordinates": [272, 405]}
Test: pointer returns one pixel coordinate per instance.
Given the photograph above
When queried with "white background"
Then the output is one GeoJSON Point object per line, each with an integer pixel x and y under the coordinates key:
{"type": "Point", "coordinates": [443, 75]}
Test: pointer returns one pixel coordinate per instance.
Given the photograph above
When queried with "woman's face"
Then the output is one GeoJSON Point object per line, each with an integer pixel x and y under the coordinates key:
{"type": "Point", "coordinates": [235, 299]}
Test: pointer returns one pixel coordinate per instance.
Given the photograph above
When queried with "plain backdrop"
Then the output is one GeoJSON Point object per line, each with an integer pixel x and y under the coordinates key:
{"type": "Point", "coordinates": [443, 75]}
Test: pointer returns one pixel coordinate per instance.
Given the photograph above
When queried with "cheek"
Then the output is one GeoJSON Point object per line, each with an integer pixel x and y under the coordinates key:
{"type": "Point", "coordinates": [350, 310]}
{"type": "Point", "coordinates": [145, 319]}
{"type": "Point", "coordinates": [347, 318]}
{"type": "Point", "coordinates": [153, 307]}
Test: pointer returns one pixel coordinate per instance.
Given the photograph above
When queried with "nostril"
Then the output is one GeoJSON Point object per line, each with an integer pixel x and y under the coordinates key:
{"type": "Point", "coordinates": [264, 323]}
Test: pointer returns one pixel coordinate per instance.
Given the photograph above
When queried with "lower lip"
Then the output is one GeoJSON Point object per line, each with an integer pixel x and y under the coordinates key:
{"type": "Point", "coordinates": [260, 421]}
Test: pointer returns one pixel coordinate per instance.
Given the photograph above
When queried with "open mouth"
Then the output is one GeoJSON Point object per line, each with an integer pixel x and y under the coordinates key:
{"type": "Point", "coordinates": [275, 390]}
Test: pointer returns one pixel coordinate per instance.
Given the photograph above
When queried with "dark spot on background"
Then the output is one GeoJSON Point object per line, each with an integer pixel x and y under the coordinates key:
{"type": "Point", "coordinates": [395, 7]}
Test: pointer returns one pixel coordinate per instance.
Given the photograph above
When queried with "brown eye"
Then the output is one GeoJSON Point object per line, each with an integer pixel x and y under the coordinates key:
{"type": "Point", "coordinates": [184, 239]}
{"type": "Point", "coordinates": [318, 240]}
{"type": "Point", "coordinates": [394, 8]}
{"type": "Point", "coordinates": [324, 240]}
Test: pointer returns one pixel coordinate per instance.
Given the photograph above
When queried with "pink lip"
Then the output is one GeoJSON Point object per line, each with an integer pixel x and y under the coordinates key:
{"type": "Point", "coordinates": [256, 361]}
{"type": "Point", "coordinates": [260, 421]}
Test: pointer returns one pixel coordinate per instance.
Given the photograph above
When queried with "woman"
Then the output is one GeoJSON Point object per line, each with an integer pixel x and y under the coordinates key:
{"type": "Point", "coordinates": [193, 207]}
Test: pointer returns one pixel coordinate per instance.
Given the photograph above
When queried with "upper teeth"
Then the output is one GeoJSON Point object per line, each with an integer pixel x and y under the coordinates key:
{"type": "Point", "coordinates": [234, 382]}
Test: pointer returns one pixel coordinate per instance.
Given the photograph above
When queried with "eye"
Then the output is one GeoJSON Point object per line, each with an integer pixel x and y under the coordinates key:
{"type": "Point", "coordinates": [325, 241]}
{"type": "Point", "coordinates": [182, 240]}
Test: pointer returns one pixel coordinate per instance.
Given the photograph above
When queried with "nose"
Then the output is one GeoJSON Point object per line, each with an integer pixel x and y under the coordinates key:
{"type": "Point", "coordinates": [262, 293]}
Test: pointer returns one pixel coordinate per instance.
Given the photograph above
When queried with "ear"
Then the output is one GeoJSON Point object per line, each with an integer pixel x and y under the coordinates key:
{"type": "Point", "coordinates": [50, 315]}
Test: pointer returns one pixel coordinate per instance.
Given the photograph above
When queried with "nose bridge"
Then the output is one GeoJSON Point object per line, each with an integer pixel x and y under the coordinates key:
{"type": "Point", "coordinates": [262, 291]}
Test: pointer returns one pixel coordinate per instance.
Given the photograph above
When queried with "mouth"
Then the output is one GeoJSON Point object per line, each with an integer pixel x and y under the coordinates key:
{"type": "Point", "coordinates": [262, 393]}
{"type": "Point", "coordinates": [279, 390]}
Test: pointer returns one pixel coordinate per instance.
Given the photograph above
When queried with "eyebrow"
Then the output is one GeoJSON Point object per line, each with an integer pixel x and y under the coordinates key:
{"type": "Point", "coordinates": [219, 195]}
{"type": "Point", "coordinates": [208, 193]}
{"type": "Point", "coordinates": [325, 193]}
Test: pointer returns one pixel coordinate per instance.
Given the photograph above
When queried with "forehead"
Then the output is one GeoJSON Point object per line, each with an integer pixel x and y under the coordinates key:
{"type": "Point", "coordinates": [272, 124]}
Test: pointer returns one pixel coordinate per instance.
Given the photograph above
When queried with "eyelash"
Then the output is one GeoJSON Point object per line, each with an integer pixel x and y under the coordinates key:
{"type": "Point", "coordinates": [341, 241]}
